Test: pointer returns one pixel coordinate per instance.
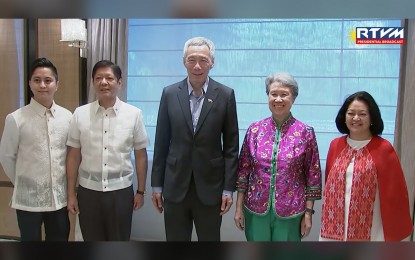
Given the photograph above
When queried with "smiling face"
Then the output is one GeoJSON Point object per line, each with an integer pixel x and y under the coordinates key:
{"type": "Point", "coordinates": [198, 63]}
{"type": "Point", "coordinates": [358, 120]}
{"type": "Point", "coordinates": [106, 86]}
{"type": "Point", "coordinates": [280, 101]}
{"type": "Point", "coordinates": [43, 85]}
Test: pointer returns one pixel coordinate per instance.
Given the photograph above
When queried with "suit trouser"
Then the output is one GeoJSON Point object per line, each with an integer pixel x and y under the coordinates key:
{"type": "Point", "coordinates": [179, 218]}
{"type": "Point", "coordinates": [56, 225]}
{"type": "Point", "coordinates": [105, 216]}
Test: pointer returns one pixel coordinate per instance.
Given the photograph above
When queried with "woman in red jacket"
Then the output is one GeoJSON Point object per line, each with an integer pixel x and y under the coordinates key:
{"type": "Point", "coordinates": [365, 195]}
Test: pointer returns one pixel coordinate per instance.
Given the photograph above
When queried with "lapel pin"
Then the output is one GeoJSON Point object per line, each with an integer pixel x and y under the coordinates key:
{"type": "Point", "coordinates": [210, 100]}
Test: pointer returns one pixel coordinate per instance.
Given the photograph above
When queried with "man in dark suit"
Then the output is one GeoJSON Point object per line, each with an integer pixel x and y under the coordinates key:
{"type": "Point", "coordinates": [196, 149]}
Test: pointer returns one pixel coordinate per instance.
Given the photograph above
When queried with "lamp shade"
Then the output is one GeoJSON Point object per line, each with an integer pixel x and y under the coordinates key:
{"type": "Point", "coordinates": [73, 30]}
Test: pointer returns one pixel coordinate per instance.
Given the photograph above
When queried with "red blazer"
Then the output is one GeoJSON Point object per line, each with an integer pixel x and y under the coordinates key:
{"type": "Point", "coordinates": [393, 193]}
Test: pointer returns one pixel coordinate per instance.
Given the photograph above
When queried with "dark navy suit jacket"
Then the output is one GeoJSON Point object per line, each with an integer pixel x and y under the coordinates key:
{"type": "Point", "coordinates": [211, 153]}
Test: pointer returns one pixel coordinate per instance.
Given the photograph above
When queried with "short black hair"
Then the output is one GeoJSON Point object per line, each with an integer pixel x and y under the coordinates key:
{"type": "Point", "coordinates": [43, 63]}
{"type": "Point", "coordinates": [376, 122]}
{"type": "Point", "coordinates": [107, 64]}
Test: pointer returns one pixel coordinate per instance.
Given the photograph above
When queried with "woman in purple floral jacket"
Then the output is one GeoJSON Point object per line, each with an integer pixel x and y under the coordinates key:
{"type": "Point", "coordinates": [279, 174]}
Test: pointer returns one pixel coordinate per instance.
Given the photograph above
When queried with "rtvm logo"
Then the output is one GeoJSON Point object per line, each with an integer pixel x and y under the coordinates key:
{"type": "Point", "coordinates": [380, 35]}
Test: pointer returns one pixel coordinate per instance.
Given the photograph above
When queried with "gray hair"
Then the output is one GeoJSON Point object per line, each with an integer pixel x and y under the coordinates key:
{"type": "Point", "coordinates": [199, 41]}
{"type": "Point", "coordinates": [285, 79]}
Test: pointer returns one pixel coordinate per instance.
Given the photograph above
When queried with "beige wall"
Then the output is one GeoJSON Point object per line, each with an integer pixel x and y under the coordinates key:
{"type": "Point", "coordinates": [405, 124]}
{"type": "Point", "coordinates": [66, 60]}
{"type": "Point", "coordinates": [9, 101]}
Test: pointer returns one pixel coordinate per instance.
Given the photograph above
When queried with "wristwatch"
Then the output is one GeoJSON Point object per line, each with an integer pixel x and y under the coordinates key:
{"type": "Point", "coordinates": [141, 192]}
{"type": "Point", "coordinates": [311, 211]}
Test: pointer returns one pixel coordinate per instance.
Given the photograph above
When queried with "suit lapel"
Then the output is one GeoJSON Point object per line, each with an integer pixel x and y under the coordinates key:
{"type": "Point", "coordinates": [208, 103]}
{"type": "Point", "coordinates": [183, 96]}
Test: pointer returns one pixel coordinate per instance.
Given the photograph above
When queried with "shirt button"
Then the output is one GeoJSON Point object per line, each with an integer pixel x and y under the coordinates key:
{"type": "Point", "coordinates": [105, 131]}
{"type": "Point", "coordinates": [105, 148]}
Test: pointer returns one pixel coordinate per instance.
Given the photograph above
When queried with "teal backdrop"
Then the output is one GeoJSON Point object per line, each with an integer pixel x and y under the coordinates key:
{"type": "Point", "coordinates": [318, 52]}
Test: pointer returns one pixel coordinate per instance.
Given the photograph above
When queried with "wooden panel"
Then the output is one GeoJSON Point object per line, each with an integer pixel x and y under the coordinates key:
{"type": "Point", "coordinates": [9, 102]}
{"type": "Point", "coordinates": [8, 226]}
{"type": "Point", "coordinates": [9, 73]}
{"type": "Point", "coordinates": [65, 58]}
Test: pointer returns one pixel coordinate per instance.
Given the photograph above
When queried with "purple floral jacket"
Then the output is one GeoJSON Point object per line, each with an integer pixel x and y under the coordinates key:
{"type": "Point", "coordinates": [279, 166]}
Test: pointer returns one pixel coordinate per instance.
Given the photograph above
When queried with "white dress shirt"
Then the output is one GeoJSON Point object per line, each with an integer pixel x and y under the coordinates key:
{"type": "Point", "coordinates": [33, 154]}
{"type": "Point", "coordinates": [106, 138]}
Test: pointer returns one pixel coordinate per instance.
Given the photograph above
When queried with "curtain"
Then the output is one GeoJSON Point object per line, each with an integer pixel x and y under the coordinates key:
{"type": "Point", "coordinates": [404, 141]}
{"type": "Point", "coordinates": [107, 40]}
